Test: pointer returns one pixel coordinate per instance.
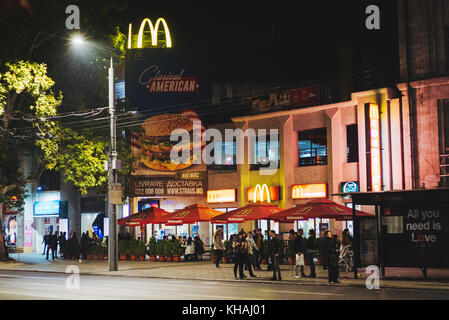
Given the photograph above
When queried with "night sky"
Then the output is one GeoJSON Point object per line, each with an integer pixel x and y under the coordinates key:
{"type": "Point", "coordinates": [281, 40]}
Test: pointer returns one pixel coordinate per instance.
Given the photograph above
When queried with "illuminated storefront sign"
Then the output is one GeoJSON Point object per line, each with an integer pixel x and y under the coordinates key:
{"type": "Point", "coordinates": [350, 186]}
{"type": "Point", "coordinates": [263, 193]}
{"type": "Point", "coordinates": [305, 191]}
{"type": "Point", "coordinates": [46, 208]}
{"type": "Point", "coordinates": [154, 30]}
{"type": "Point", "coordinates": [374, 174]}
{"type": "Point", "coordinates": [219, 196]}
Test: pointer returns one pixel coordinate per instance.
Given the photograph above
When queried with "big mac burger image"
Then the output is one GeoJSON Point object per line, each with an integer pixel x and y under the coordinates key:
{"type": "Point", "coordinates": [154, 145]}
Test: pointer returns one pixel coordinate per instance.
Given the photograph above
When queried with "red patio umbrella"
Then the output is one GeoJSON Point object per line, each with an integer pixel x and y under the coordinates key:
{"type": "Point", "coordinates": [317, 208]}
{"type": "Point", "coordinates": [252, 211]}
{"type": "Point", "coordinates": [150, 215]}
{"type": "Point", "coordinates": [191, 214]}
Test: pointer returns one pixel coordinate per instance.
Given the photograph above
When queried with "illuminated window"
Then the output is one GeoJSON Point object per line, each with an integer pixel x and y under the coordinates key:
{"type": "Point", "coordinates": [312, 147]}
{"type": "Point", "coordinates": [227, 161]}
{"type": "Point", "coordinates": [265, 152]}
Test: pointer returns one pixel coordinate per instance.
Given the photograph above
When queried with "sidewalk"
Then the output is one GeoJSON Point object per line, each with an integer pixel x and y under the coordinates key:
{"type": "Point", "coordinates": [438, 279]}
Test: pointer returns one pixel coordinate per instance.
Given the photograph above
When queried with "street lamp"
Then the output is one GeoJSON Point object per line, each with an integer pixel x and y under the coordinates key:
{"type": "Point", "coordinates": [78, 40]}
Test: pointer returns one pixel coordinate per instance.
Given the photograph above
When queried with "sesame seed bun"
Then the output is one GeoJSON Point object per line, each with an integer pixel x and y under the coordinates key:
{"type": "Point", "coordinates": [164, 124]}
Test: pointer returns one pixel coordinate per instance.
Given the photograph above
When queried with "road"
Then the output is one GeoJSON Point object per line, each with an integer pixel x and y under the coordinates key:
{"type": "Point", "coordinates": [47, 286]}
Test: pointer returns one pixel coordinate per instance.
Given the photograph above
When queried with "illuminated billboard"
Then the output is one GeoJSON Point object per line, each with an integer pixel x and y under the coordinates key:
{"type": "Point", "coordinates": [220, 196]}
{"type": "Point", "coordinates": [306, 191]}
{"type": "Point", "coordinates": [373, 163]}
{"type": "Point", "coordinates": [263, 193]}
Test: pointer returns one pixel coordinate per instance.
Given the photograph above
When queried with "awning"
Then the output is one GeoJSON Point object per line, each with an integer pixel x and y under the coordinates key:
{"type": "Point", "coordinates": [150, 215]}
{"type": "Point", "coordinates": [191, 214]}
{"type": "Point", "coordinates": [253, 211]}
{"type": "Point", "coordinates": [317, 208]}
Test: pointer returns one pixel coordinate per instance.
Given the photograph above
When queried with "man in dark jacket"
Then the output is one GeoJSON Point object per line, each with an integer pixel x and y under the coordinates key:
{"type": "Point", "coordinates": [45, 242]}
{"type": "Point", "coordinates": [52, 244]}
{"type": "Point", "coordinates": [275, 253]}
{"type": "Point", "coordinates": [258, 239]}
{"type": "Point", "coordinates": [330, 249]}
{"type": "Point", "coordinates": [300, 249]}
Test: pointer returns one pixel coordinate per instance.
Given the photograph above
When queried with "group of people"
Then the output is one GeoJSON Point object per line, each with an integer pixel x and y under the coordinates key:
{"type": "Point", "coordinates": [194, 248]}
{"type": "Point", "coordinates": [247, 252]}
{"type": "Point", "coordinates": [54, 243]}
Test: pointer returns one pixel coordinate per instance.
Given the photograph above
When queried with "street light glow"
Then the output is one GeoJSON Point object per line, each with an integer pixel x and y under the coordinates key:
{"type": "Point", "coordinates": [78, 40]}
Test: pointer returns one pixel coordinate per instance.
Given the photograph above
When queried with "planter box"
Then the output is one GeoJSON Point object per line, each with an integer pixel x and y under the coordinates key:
{"type": "Point", "coordinates": [152, 257]}
{"type": "Point", "coordinates": [132, 257]}
{"type": "Point", "coordinates": [169, 258]}
{"type": "Point", "coordinates": [161, 258]}
{"type": "Point", "coordinates": [123, 257]}
{"type": "Point", "coordinates": [176, 258]}
{"type": "Point", "coordinates": [141, 258]}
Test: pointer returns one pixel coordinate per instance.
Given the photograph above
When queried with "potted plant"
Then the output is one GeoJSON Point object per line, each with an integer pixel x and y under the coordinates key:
{"type": "Point", "coordinates": [160, 250]}
{"type": "Point", "coordinates": [122, 249]}
{"type": "Point", "coordinates": [132, 246]}
{"type": "Point", "coordinates": [152, 249]}
{"type": "Point", "coordinates": [90, 251]}
{"type": "Point", "coordinates": [291, 252]}
{"type": "Point", "coordinates": [140, 250]}
{"type": "Point", "coordinates": [174, 250]}
{"type": "Point", "coordinates": [168, 250]}
{"type": "Point", "coordinates": [101, 251]}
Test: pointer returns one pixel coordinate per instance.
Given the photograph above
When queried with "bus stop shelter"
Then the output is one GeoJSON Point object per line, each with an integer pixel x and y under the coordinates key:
{"type": "Point", "coordinates": [410, 229]}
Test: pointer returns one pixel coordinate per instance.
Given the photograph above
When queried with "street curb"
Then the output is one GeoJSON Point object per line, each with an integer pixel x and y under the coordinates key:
{"type": "Point", "coordinates": [287, 282]}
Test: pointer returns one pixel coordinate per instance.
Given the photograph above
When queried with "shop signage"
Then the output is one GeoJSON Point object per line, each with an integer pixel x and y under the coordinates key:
{"type": "Point", "coordinates": [350, 186]}
{"type": "Point", "coordinates": [306, 96]}
{"type": "Point", "coordinates": [305, 191]}
{"type": "Point", "coordinates": [154, 30]}
{"type": "Point", "coordinates": [374, 175]}
{"type": "Point", "coordinates": [220, 196]}
{"type": "Point", "coordinates": [63, 210]}
{"type": "Point", "coordinates": [46, 208]}
{"type": "Point", "coordinates": [7, 211]}
{"type": "Point", "coordinates": [191, 175]}
{"type": "Point", "coordinates": [164, 186]}
{"type": "Point", "coordinates": [263, 193]}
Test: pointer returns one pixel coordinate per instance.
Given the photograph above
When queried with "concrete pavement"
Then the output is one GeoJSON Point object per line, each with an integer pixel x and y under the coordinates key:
{"type": "Point", "coordinates": [438, 279]}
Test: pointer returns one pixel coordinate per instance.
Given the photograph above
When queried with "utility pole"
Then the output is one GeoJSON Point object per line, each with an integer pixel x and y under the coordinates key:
{"type": "Point", "coordinates": [112, 178]}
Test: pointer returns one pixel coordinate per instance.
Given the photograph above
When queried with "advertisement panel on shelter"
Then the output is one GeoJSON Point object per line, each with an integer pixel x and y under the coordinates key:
{"type": "Point", "coordinates": [416, 235]}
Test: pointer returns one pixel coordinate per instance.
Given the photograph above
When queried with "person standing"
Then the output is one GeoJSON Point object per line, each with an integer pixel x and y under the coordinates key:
{"type": "Point", "coordinates": [190, 249]}
{"type": "Point", "coordinates": [330, 247]}
{"type": "Point", "coordinates": [218, 245]}
{"type": "Point", "coordinates": [252, 249]}
{"type": "Point", "coordinates": [275, 253]}
{"type": "Point", "coordinates": [258, 240]}
{"type": "Point", "coordinates": [246, 254]}
{"type": "Point", "coordinates": [52, 244]}
{"type": "Point", "coordinates": [61, 240]}
{"type": "Point", "coordinates": [311, 247]}
{"type": "Point", "coordinates": [237, 246]}
{"type": "Point", "coordinates": [300, 248]}
{"type": "Point", "coordinates": [45, 242]}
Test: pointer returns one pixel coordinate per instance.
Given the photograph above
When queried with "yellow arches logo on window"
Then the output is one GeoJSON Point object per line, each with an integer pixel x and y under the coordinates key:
{"type": "Point", "coordinates": [154, 31]}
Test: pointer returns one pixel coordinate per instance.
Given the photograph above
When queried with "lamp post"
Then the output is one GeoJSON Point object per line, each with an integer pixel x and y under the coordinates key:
{"type": "Point", "coordinates": [112, 164]}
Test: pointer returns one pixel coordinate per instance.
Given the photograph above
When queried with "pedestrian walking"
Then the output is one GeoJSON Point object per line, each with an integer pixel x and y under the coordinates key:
{"type": "Point", "coordinates": [246, 256]}
{"type": "Point", "coordinates": [330, 247]}
{"type": "Point", "coordinates": [258, 240]}
{"type": "Point", "coordinates": [275, 253]}
{"type": "Point", "coordinates": [218, 245]}
{"type": "Point", "coordinates": [237, 245]}
{"type": "Point", "coordinates": [311, 248]}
